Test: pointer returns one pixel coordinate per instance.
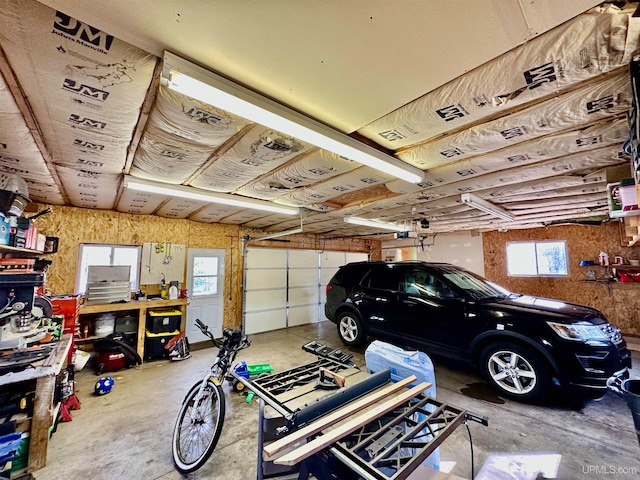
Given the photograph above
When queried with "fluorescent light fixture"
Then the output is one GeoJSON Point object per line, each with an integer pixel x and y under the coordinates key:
{"type": "Point", "coordinates": [375, 224]}
{"type": "Point", "coordinates": [196, 82]}
{"type": "Point", "coordinates": [480, 204]}
{"type": "Point", "coordinates": [276, 235]}
{"type": "Point", "coordinates": [204, 196]}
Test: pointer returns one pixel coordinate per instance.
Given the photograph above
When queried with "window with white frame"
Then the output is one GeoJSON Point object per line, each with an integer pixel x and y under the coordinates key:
{"type": "Point", "coordinates": [205, 276]}
{"type": "Point", "coordinates": [107, 255]}
{"type": "Point", "coordinates": [544, 259]}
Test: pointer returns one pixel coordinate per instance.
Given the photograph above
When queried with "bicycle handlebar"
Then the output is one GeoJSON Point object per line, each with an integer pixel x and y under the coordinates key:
{"type": "Point", "coordinates": [244, 342]}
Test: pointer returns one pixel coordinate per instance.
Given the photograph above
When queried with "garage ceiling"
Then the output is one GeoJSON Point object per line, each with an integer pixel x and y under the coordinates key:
{"type": "Point", "coordinates": [522, 104]}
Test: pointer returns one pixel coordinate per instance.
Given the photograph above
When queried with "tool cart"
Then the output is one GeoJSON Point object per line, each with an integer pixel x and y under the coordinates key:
{"type": "Point", "coordinates": [328, 419]}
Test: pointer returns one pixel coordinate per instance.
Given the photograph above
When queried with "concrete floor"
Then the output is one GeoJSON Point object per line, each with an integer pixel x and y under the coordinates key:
{"type": "Point", "coordinates": [127, 433]}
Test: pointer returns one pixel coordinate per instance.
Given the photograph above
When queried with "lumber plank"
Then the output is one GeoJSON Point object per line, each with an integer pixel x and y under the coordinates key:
{"type": "Point", "coordinates": [273, 448]}
{"type": "Point", "coordinates": [339, 379]}
{"type": "Point", "coordinates": [295, 456]}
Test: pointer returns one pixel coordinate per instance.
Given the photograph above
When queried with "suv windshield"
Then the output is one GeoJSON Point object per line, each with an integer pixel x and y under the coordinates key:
{"type": "Point", "coordinates": [476, 287]}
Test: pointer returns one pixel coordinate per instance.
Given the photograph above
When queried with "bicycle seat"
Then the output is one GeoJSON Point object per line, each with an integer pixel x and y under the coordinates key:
{"type": "Point", "coordinates": [232, 333]}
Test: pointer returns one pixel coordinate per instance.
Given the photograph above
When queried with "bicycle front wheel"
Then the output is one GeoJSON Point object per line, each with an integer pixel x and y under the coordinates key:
{"type": "Point", "coordinates": [198, 427]}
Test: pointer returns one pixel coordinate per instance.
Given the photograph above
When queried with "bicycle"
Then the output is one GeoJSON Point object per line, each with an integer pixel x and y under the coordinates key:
{"type": "Point", "coordinates": [201, 415]}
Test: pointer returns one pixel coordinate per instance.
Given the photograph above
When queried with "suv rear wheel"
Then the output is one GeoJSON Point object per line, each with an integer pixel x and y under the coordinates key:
{"type": "Point", "coordinates": [350, 329]}
{"type": "Point", "coordinates": [514, 371]}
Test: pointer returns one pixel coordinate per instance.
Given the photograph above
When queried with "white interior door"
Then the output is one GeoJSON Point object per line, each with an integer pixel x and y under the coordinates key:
{"type": "Point", "coordinates": [205, 280]}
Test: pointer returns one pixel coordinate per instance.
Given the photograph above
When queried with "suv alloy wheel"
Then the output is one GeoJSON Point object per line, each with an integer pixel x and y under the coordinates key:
{"type": "Point", "coordinates": [350, 329]}
{"type": "Point", "coordinates": [514, 371]}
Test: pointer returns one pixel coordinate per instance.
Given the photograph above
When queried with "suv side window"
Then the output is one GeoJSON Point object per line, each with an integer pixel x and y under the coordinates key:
{"type": "Point", "coordinates": [383, 279]}
{"type": "Point", "coordinates": [418, 282]}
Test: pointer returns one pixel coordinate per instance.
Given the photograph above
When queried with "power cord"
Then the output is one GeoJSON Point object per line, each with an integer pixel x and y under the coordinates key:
{"type": "Point", "coordinates": [475, 418]}
{"type": "Point", "coordinates": [473, 470]}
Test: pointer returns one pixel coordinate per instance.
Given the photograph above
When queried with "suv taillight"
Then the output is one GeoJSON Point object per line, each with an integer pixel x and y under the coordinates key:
{"type": "Point", "coordinates": [329, 287]}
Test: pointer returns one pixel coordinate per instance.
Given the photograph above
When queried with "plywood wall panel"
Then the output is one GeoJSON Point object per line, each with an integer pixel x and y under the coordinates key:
{"type": "Point", "coordinates": [621, 304]}
{"type": "Point", "coordinates": [138, 229]}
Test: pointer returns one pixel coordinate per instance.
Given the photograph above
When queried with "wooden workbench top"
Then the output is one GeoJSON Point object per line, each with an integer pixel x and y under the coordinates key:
{"type": "Point", "coordinates": [131, 305]}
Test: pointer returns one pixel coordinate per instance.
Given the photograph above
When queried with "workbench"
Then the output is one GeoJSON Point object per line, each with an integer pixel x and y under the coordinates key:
{"type": "Point", "coordinates": [140, 307]}
{"type": "Point", "coordinates": [44, 412]}
{"type": "Point", "coordinates": [329, 419]}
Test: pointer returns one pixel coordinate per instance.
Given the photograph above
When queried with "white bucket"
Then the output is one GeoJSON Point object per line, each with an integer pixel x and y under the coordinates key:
{"type": "Point", "coordinates": [104, 324]}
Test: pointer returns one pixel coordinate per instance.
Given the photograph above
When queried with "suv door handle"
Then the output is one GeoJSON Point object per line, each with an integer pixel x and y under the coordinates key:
{"type": "Point", "coordinates": [382, 299]}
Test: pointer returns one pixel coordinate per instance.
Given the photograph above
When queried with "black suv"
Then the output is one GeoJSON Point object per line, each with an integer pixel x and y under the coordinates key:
{"type": "Point", "coordinates": [522, 344]}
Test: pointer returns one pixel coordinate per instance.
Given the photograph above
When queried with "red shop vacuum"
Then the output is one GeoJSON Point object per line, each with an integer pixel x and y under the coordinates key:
{"type": "Point", "coordinates": [114, 353]}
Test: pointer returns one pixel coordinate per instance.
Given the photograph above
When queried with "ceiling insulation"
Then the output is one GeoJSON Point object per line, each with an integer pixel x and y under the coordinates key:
{"type": "Point", "coordinates": [533, 129]}
{"type": "Point", "coordinates": [585, 47]}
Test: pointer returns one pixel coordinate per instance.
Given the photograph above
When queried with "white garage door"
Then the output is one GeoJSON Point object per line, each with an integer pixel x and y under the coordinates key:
{"type": "Point", "coordinates": [265, 289]}
{"type": "Point", "coordinates": [285, 288]}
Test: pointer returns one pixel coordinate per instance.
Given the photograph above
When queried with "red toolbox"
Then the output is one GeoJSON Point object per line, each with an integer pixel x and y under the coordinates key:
{"type": "Point", "coordinates": [68, 306]}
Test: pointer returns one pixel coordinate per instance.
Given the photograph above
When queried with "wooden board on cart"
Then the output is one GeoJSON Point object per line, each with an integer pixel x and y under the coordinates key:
{"type": "Point", "coordinates": [297, 455]}
{"type": "Point", "coordinates": [326, 421]}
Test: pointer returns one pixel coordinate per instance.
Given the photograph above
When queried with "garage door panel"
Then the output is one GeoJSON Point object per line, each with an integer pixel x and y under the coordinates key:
{"type": "Point", "coordinates": [263, 278]}
{"type": "Point", "coordinates": [266, 258]}
{"type": "Point", "coordinates": [307, 258]}
{"type": "Point", "coordinates": [303, 295]}
{"type": "Point", "coordinates": [303, 315]}
{"type": "Point", "coordinates": [266, 299]}
{"type": "Point", "coordinates": [264, 321]}
{"type": "Point", "coordinates": [299, 277]}
{"type": "Point", "coordinates": [332, 259]}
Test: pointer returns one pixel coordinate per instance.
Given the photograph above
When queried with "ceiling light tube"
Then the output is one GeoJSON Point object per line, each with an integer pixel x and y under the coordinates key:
{"type": "Point", "coordinates": [196, 82]}
{"type": "Point", "coordinates": [476, 202]}
{"type": "Point", "coordinates": [276, 235]}
{"type": "Point", "coordinates": [205, 196]}
{"type": "Point", "coordinates": [375, 224]}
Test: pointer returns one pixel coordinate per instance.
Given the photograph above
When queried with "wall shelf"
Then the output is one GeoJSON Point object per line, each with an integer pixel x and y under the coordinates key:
{"type": "Point", "coordinates": [8, 248]}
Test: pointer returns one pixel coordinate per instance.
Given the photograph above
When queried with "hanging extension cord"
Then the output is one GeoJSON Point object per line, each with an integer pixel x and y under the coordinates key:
{"type": "Point", "coordinates": [481, 420]}
{"type": "Point", "coordinates": [473, 470]}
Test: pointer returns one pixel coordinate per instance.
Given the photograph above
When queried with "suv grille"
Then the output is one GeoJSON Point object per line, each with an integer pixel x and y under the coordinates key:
{"type": "Point", "coordinates": [612, 332]}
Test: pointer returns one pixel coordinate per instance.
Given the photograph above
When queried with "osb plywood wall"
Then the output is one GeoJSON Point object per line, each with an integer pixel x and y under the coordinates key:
{"type": "Point", "coordinates": [620, 303]}
{"type": "Point", "coordinates": [74, 226]}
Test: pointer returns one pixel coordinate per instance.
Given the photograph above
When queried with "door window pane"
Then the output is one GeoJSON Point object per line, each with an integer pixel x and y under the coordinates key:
{"type": "Point", "coordinates": [205, 286]}
{"type": "Point", "coordinates": [205, 276]}
{"type": "Point", "coordinates": [205, 266]}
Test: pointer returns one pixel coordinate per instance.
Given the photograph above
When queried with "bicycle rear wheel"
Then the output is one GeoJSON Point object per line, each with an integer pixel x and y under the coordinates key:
{"type": "Point", "coordinates": [198, 427]}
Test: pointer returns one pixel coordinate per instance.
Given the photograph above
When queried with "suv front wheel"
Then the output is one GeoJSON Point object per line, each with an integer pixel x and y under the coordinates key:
{"type": "Point", "coordinates": [350, 329]}
{"type": "Point", "coordinates": [514, 371]}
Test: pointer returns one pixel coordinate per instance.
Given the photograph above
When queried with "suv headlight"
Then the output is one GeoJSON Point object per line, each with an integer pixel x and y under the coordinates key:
{"type": "Point", "coordinates": [579, 332]}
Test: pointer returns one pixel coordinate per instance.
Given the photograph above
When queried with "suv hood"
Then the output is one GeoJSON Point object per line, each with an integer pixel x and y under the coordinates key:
{"type": "Point", "coordinates": [555, 310]}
